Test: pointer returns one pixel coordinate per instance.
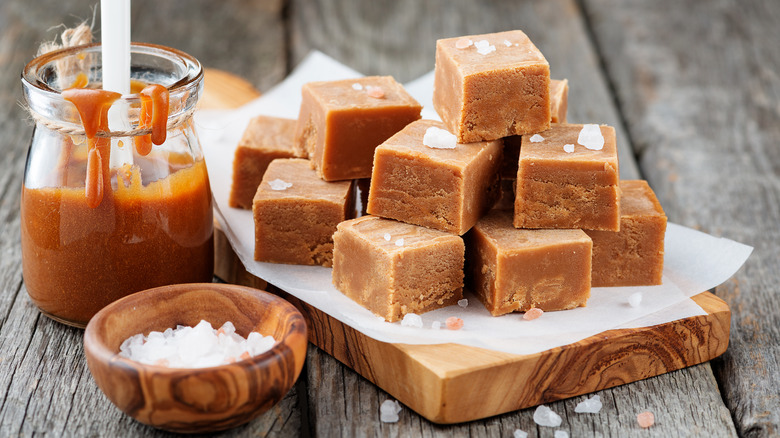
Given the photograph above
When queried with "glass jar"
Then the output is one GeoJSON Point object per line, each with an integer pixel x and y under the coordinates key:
{"type": "Point", "coordinates": [153, 222]}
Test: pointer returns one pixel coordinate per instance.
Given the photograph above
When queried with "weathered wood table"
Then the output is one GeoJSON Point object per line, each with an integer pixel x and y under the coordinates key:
{"type": "Point", "coordinates": [692, 87]}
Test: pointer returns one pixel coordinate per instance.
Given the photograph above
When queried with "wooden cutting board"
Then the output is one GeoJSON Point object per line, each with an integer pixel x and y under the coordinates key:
{"type": "Point", "coordinates": [450, 383]}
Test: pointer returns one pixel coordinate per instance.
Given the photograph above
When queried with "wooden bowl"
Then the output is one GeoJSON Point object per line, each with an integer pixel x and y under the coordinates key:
{"type": "Point", "coordinates": [204, 399]}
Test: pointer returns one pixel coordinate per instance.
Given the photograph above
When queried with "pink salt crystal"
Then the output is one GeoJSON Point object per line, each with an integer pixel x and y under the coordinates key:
{"type": "Point", "coordinates": [533, 313]}
{"type": "Point", "coordinates": [375, 92]}
{"type": "Point", "coordinates": [645, 419]}
{"type": "Point", "coordinates": [454, 323]}
{"type": "Point", "coordinates": [463, 43]}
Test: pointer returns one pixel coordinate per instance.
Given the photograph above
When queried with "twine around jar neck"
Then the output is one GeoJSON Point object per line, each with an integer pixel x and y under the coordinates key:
{"type": "Point", "coordinates": [80, 35]}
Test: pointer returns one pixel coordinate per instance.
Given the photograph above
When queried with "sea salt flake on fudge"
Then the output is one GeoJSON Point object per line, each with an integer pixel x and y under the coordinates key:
{"type": "Point", "coordinates": [536, 138]}
{"type": "Point", "coordinates": [513, 269]}
{"type": "Point", "coordinates": [438, 138]}
{"type": "Point", "coordinates": [264, 140]}
{"type": "Point", "coordinates": [278, 184]}
{"type": "Point", "coordinates": [633, 256]}
{"type": "Point", "coordinates": [392, 281]}
{"type": "Point", "coordinates": [463, 43]}
{"type": "Point", "coordinates": [568, 148]}
{"type": "Point", "coordinates": [339, 127]}
{"type": "Point", "coordinates": [558, 189]}
{"type": "Point", "coordinates": [559, 100]}
{"type": "Point", "coordinates": [591, 137]}
{"type": "Point", "coordinates": [482, 97]}
{"type": "Point", "coordinates": [444, 189]}
{"type": "Point", "coordinates": [296, 225]}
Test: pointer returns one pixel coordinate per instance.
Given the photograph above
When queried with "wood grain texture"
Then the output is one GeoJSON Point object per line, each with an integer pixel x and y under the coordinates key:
{"type": "Point", "coordinates": [398, 38]}
{"type": "Point", "coordinates": [699, 88]}
{"type": "Point", "coordinates": [197, 400]}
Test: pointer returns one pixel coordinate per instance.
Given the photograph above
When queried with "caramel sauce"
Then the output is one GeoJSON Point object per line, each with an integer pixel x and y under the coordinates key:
{"type": "Point", "coordinates": [93, 106]}
{"type": "Point", "coordinates": [90, 241]}
{"type": "Point", "coordinates": [154, 114]}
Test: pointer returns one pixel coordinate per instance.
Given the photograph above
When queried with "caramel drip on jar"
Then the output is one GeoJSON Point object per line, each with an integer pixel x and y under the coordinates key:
{"type": "Point", "coordinates": [154, 115]}
{"type": "Point", "coordinates": [93, 106]}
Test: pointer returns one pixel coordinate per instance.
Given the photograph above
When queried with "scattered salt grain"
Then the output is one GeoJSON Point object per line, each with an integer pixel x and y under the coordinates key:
{"type": "Point", "coordinates": [375, 92]}
{"type": "Point", "coordinates": [484, 47]}
{"type": "Point", "coordinates": [436, 325]}
{"type": "Point", "coordinates": [519, 434]}
{"type": "Point", "coordinates": [463, 43]}
{"type": "Point", "coordinates": [635, 300]}
{"type": "Point", "coordinates": [357, 87]}
{"type": "Point", "coordinates": [532, 313]}
{"type": "Point", "coordinates": [454, 323]}
{"type": "Point", "coordinates": [388, 411]}
{"type": "Point", "coordinates": [561, 434]}
{"type": "Point", "coordinates": [591, 137]}
{"type": "Point", "coordinates": [278, 184]}
{"type": "Point", "coordinates": [568, 148]}
{"type": "Point", "coordinates": [536, 138]}
{"type": "Point", "coordinates": [589, 406]}
{"type": "Point", "coordinates": [412, 320]}
{"type": "Point", "coordinates": [387, 237]}
{"type": "Point", "coordinates": [463, 303]}
{"type": "Point", "coordinates": [194, 347]}
{"type": "Point", "coordinates": [645, 419]}
{"type": "Point", "coordinates": [438, 138]}
{"type": "Point", "coordinates": [544, 416]}
{"type": "Point", "coordinates": [399, 242]}
{"type": "Point", "coordinates": [507, 43]}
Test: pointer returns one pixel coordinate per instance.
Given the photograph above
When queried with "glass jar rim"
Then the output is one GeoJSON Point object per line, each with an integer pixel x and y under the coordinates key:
{"type": "Point", "coordinates": [191, 80]}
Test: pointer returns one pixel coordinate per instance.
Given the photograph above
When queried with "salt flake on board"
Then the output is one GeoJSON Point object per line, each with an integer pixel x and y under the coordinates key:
{"type": "Point", "coordinates": [388, 411]}
{"type": "Point", "coordinates": [635, 299]}
{"type": "Point", "coordinates": [561, 434]}
{"type": "Point", "coordinates": [519, 434]}
{"type": "Point", "coordinates": [589, 406]}
{"type": "Point", "coordinates": [544, 416]}
{"type": "Point", "coordinates": [412, 320]}
{"type": "Point", "coordinates": [463, 303]}
{"type": "Point", "coordinates": [591, 137]}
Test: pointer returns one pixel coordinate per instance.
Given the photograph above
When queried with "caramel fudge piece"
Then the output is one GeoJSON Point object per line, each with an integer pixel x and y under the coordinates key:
{"type": "Point", "coordinates": [491, 86]}
{"type": "Point", "coordinates": [296, 214]}
{"type": "Point", "coordinates": [440, 188]}
{"type": "Point", "coordinates": [559, 100]}
{"type": "Point", "coordinates": [568, 178]}
{"type": "Point", "coordinates": [342, 122]}
{"type": "Point", "coordinates": [633, 256]}
{"type": "Point", "coordinates": [514, 270]}
{"type": "Point", "coordinates": [265, 139]}
{"type": "Point", "coordinates": [392, 268]}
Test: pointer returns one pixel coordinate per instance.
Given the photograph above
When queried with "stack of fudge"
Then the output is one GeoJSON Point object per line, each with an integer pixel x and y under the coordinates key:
{"type": "Point", "coordinates": [503, 195]}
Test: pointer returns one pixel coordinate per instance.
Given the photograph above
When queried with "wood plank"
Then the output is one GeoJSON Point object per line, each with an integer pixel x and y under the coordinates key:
{"type": "Point", "coordinates": [398, 38]}
{"type": "Point", "coordinates": [45, 386]}
{"type": "Point", "coordinates": [700, 91]}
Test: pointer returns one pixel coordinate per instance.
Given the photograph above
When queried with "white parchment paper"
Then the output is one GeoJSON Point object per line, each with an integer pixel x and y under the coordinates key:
{"type": "Point", "coordinates": [694, 262]}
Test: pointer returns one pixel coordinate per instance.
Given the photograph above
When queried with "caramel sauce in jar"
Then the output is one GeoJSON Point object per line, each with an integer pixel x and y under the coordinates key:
{"type": "Point", "coordinates": [101, 219]}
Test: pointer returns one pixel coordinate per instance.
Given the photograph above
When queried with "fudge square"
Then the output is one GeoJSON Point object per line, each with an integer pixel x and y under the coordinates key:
{"type": "Point", "coordinates": [514, 269]}
{"type": "Point", "coordinates": [559, 100]}
{"type": "Point", "coordinates": [392, 268]}
{"type": "Point", "coordinates": [491, 86]}
{"type": "Point", "coordinates": [296, 214]}
{"type": "Point", "coordinates": [440, 188]}
{"type": "Point", "coordinates": [568, 178]}
{"type": "Point", "coordinates": [265, 139]}
{"type": "Point", "coordinates": [633, 256]}
{"type": "Point", "coordinates": [342, 122]}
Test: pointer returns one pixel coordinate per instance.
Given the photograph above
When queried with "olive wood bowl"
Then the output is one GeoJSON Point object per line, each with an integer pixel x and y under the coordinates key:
{"type": "Point", "coordinates": [201, 399]}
